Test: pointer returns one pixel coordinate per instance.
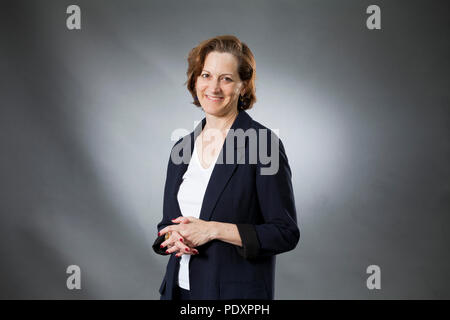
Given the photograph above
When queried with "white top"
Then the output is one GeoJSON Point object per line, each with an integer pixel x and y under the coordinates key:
{"type": "Point", "coordinates": [190, 198]}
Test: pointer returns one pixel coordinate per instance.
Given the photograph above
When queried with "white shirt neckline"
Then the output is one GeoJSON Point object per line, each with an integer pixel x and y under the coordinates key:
{"type": "Point", "coordinates": [199, 162]}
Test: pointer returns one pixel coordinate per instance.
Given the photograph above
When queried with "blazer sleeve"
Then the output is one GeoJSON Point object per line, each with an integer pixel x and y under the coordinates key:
{"type": "Point", "coordinates": [166, 219]}
{"type": "Point", "coordinates": [279, 232]}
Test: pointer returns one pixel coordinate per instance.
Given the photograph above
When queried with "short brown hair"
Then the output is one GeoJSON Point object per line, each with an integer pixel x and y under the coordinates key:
{"type": "Point", "coordinates": [246, 66]}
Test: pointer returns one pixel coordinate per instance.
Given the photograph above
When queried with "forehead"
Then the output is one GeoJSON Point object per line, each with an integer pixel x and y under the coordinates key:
{"type": "Point", "coordinates": [221, 62]}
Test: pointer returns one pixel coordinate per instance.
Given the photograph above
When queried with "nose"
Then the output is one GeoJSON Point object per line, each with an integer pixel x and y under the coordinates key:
{"type": "Point", "coordinates": [215, 86]}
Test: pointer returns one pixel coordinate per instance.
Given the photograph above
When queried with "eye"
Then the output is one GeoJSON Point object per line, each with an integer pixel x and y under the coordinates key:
{"type": "Point", "coordinates": [205, 75]}
{"type": "Point", "coordinates": [228, 79]}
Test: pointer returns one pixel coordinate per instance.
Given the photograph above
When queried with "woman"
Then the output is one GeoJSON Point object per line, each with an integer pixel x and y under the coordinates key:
{"type": "Point", "coordinates": [224, 217]}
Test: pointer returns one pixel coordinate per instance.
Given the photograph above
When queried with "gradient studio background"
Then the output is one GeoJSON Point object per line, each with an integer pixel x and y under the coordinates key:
{"type": "Point", "coordinates": [87, 117]}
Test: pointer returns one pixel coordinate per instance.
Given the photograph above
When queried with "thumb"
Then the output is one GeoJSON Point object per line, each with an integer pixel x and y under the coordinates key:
{"type": "Point", "coordinates": [181, 219]}
{"type": "Point", "coordinates": [185, 220]}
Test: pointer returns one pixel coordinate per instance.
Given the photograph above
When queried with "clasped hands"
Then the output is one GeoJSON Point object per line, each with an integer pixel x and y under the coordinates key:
{"type": "Point", "coordinates": [188, 233]}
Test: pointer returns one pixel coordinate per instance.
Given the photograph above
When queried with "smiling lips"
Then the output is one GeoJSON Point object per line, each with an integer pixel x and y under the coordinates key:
{"type": "Point", "coordinates": [213, 98]}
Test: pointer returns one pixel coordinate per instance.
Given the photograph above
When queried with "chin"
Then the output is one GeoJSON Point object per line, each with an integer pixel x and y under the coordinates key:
{"type": "Point", "coordinates": [212, 111]}
{"type": "Point", "coordinates": [215, 110]}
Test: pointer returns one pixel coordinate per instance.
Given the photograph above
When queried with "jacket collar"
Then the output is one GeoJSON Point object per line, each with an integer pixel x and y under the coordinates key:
{"type": "Point", "coordinates": [242, 121]}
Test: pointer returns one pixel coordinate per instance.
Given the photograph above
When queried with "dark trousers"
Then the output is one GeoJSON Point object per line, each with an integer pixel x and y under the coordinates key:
{"type": "Point", "coordinates": [181, 294]}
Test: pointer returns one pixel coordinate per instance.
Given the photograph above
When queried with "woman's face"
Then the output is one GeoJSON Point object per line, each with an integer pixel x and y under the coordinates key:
{"type": "Point", "coordinates": [219, 85]}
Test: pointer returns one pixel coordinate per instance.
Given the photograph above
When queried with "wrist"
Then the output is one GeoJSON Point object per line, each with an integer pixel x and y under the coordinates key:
{"type": "Point", "coordinates": [214, 230]}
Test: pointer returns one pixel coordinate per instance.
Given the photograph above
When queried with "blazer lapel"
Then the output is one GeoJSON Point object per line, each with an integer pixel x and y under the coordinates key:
{"type": "Point", "coordinates": [221, 173]}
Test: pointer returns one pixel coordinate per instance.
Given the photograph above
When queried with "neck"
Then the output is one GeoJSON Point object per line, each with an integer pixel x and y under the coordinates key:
{"type": "Point", "coordinates": [222, 123]}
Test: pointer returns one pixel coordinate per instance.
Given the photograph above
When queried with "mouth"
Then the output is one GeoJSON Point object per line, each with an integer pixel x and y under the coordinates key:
{"type": "Point", "coordinates": [213, 98]}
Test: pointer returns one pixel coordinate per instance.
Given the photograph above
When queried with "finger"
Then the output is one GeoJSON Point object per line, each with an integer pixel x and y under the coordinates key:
{"type": "Point", "coordinates": [166, 244]}
{"type": "Point", "coordinates": [181, 219]}
{"type": "Point", "coordinates": [181, 252]}
{"type": "Point", "coordinates": [177, 219]}
{"type": "Point", "coordinates": [177, 250]}
{"type": "Point", "coordinates": [193, 252]}
{"type": "Point", "coordinates": [192, 219]}
{"type": "Point", "coordinates": [169, 241]}
{"type": "Point", "coordinates": [188, 243]}
{"type": "Point", "coordinates": [165, 230]}
{"type": "Point", "coordinates": [183, 248]}
{"type": "Point", "coordinates": [184, 240]}
{"type": "Point", "coordinates": [177, 236]}
{"type": "Point", "coordinates": [172, 249]}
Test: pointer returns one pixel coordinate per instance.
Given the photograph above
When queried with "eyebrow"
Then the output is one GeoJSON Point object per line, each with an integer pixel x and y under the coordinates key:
{"type": "Point", "coordinates": [223, 74]}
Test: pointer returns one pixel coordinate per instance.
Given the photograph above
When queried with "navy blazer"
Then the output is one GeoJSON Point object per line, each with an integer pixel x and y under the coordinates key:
{"type": "Point", "coordinates": [262, 207]}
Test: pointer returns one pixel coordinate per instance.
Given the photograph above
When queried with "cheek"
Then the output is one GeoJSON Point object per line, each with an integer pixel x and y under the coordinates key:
{"type": "Point", "coordinates": [200, 87]}
{"type": "Point", "coordinates": [231, 91]}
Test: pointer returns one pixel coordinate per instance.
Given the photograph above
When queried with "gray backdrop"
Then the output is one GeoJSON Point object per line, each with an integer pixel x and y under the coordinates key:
{"type": "Point", "coordinates": [87, 117]}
